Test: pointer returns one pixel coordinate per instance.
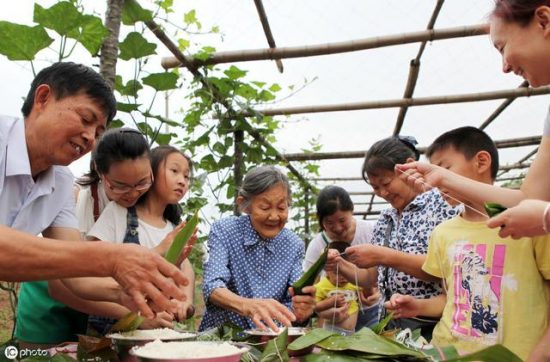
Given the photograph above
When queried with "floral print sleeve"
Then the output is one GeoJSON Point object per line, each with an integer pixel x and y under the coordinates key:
{"type": "Point", "coordinates": [409, 233]}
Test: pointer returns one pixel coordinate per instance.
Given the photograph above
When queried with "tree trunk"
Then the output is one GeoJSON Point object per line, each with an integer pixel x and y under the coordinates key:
{"type": "Point", "coordinates": [109, 49]}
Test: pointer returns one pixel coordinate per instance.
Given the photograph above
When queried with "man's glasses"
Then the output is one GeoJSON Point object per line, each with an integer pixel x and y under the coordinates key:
{"type": "Point", "coordinates": [124, 189]}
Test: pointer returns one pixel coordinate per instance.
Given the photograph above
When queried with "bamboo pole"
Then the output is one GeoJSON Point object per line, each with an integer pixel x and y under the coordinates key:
{"type": "Point", "coordinates": [267, 31]}
{"type": "Point", "coordinates": [515, 142]}
{"type": "Point", "coordinates": [414, 71]}
{"type": "Point", "coordinates": [411, 102]}
{"type": "Point", "coordinates": [329, 48]}
{"type": "Point", "coordinates": [501, 108]}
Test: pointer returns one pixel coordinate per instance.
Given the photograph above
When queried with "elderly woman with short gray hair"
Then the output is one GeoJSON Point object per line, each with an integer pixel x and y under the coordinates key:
{"type": "Point", "coordinates": [253, 260]}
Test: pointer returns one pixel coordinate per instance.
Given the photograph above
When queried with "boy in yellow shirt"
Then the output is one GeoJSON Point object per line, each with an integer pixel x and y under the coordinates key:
{"type": "Point", "coordinates": [496, 289]}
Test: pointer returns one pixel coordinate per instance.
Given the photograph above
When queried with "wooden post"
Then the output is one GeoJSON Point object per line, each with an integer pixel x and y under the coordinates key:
{"type": "Point", "coordinates": [306, 218]}
{"type": "Point", "coordinates": [238, 167]}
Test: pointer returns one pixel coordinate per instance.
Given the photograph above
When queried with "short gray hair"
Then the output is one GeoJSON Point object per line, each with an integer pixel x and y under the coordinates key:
{"type": "Point", "coordinates": [260, 179]}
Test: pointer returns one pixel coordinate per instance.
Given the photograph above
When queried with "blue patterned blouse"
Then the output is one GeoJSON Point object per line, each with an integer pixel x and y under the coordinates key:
{"type": "Point", "coordinates": [410, 233]}
{"type": "Point", "coordinates": [240, 260]}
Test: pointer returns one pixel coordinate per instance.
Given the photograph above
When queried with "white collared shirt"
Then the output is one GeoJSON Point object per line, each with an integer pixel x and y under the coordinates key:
{"type": "Point", "coordinates": [25, 204]}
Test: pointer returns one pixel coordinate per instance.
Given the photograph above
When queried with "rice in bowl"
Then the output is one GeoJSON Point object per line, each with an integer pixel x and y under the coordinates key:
{"type": "Point", "coordinates": [158, 350]}
{"type": "Point", "coordinates": [166, 334]}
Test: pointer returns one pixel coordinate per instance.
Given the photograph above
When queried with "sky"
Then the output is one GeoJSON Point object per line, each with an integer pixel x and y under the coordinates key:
{"type": "Point", "coordinates": [451, 66]}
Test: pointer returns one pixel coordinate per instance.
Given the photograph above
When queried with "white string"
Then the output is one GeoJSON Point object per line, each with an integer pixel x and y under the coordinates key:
{"type": "Point", "coordinates": [336, 297]}
{"type": "Point", "coordinates": [424, 183]}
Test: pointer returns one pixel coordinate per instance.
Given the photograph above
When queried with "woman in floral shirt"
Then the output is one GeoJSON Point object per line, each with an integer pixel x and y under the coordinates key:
{"type": "Point", "coordinates": [401, 234]}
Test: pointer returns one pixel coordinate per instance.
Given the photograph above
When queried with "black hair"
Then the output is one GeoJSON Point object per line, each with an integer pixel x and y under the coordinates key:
{"type": "Point", "coordinates": [172, 212]}
{"type": "Point", "coordinates": [68, 79]}
{"type": "Point", "coordinates": [332, 199]}
{"type": "Point", "coordinates": [517, 11]}
{"type": "Point", "coordinates": [388, 152]}
{"type": "Point", "coordinates": [115, 145]}
{"type": "Point", "coordinates": [468, 141]}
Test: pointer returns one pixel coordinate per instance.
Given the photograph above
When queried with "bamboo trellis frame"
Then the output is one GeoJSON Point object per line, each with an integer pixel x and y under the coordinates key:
{"type": "Point", "coordinates": [414, 71]}
{"type": "Point", "coordinates": [515, 142]}
{"type": "Point", "coordinates": [267, 31]}
{"type": "Point", "coordinates": [400, 102]}
{"type": "Point", "coordinates": [328, 48]}
{"type": "Point", "coordinates": [278, 53]}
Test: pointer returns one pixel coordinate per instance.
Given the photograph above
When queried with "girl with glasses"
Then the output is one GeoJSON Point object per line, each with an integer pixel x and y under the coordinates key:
{"type": "Point", "coordinates": [156, 214]}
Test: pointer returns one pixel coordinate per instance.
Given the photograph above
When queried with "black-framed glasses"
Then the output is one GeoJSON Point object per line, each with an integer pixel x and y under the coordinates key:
{"type": "Point", "coordinates": [124, 189]}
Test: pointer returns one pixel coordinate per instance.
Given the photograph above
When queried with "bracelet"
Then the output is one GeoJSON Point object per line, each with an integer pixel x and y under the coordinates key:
{"type": "Point", "coordinates": [545, 219]}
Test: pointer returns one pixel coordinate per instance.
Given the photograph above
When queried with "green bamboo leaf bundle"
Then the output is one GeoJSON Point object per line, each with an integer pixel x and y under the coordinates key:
{"type": "Point", "coordinates": [276, 349]}
{"type": "Point", "coordinates": [493, 209]}
{"type": "Point", "coordinates": [132, 321]}
{"type": "Point", "coordinates": [308, 278]}
{"type": "Point", "coordinates": [181, 239]}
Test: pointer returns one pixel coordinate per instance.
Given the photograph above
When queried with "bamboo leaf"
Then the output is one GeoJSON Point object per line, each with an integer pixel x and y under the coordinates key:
{"type": "Point", "coordinates": [379, 327]}
{"type": "Point", "coordinates": [309, 339]}
{"type": "Point", "coordinates": [493, 209]}
{"type": "Point", "coordinates": [181, 239]}
{"type": "Point", "coordinates": [276, 350]}
{"type": "Point", "coordinates": [308, 278]}
{"type": "Point", "coordinates": [136, 46]}
{"type": "Point", "coordinates": [93, 344]}
{"type": "Point", "coordinates": [161, 81]}
{"type": "Point", "coordinates": [366, 341]}
{"type": "Point", "coordinates": [21, 42]}
{"type": "Point", "coordinates": [130, 322]}
{"type": "Point", "coordinates": [496, 353]}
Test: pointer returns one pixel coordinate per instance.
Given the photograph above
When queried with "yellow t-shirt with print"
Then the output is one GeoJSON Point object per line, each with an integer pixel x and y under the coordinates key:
{"type": "Point", "coordinates": [497, 289]}
{"type": "Point", "coordinates": [325, 289]}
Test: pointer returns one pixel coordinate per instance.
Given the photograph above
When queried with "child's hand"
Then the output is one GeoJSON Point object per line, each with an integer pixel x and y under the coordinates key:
{"type": "Point", "coordinates": [333, 258]}
{"type": "Point", "coordinates": [403, 306]}
{"type": "Point", "coordinates": [184, 310]}
{"type": "Point", "coordinates": [162, 320]}
{"type": "Point", "coordinates": [338, 314]}
{"type": "Point", "coordinates": [369, 297]}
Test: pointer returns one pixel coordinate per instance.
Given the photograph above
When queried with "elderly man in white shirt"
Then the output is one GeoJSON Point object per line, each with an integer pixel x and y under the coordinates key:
{"type": "Point", "coordinates": [67, 108]}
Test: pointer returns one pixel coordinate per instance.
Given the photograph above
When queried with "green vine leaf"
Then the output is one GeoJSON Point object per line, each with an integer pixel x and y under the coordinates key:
{"type": "Point", "coordinates": [22, 42]}
{"type": "Point", "coordinates": [132, 13]}
{"type": "Point", "coordinates": [92, 33]}
{"type": "Point", "coordinates": [235, 73]}
{"type": "Point", "coordinates": [130, 89]}
{"type": "Point", "coordinates": [135, 46]}
{"type": "Point", "coordinates": [127, 107]}
{"type": "Point", "coordinates": [62, 17]}
{"type": "Point", "coordinates": [275, 88]}
{"type": "Point", "coordinates": [161, 81]}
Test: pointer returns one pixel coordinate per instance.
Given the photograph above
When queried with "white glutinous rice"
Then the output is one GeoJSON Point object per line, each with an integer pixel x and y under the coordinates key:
{"type": "Point", "coordinates": [151, 334]}
{"type": "Point", "coordinates": [186, 350]}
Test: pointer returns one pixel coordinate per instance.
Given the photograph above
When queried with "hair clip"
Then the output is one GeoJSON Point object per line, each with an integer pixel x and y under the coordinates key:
{"type": "Point", "coordinates": [411, 143]}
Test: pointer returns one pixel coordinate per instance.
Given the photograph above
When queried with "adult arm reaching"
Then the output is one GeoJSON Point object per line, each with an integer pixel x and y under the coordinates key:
{"type": "Point", "coordinates": [141, 273]}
